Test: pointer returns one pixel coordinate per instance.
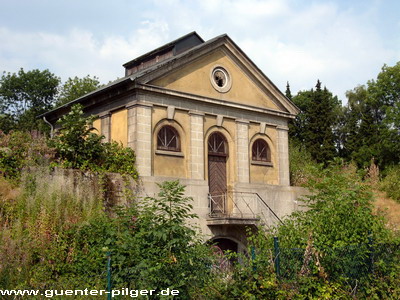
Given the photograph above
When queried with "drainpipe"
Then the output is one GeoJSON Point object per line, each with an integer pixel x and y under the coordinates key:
{"type": "Point", "coordinates": [51, 126]}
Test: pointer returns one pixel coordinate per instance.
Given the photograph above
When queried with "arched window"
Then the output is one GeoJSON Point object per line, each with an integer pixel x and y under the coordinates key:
{"type": "Point", "coordinates": [168, 139]}
{"type": "Point", "coordinates": [260, 151]}
{"type": "Point", "coordinates": [217, 144]}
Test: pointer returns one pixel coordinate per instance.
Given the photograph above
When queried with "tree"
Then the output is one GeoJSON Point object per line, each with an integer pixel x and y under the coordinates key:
{"type": "Point", "coordinates": [76, 145]}
{"type": "Point", "coordinates": [360, 128]}
{"type": "Point", "coordinates": [288, 93]}
{"type": "Point", "coordinates": [316, 126]}
{"type": "Point", "coordinates": [24, 95]}
{"type": "Point", "coordinates": [371, 125]}
{"type": "Point", "coordinates": [76, 87]}
{"type": "Point", "coordinates": [385, 95]}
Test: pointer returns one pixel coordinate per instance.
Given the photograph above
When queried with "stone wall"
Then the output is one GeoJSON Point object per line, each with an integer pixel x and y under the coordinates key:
{"type": "Point", "coordinates": [112, 187]}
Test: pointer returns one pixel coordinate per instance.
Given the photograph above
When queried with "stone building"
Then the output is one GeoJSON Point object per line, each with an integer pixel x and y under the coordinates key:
{"type": "Point", "coordinates": [204, 113]}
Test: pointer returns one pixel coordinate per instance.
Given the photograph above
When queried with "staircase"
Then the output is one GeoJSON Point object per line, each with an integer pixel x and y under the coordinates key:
{"type": "Point", "coordinates": [241, 208]}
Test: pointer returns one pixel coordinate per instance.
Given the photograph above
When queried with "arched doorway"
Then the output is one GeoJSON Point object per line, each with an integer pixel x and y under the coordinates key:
{"type": "Point", "coordinates": [223, 246]}
{"type": "Point", "coordinates": [226, 244]}
{"type": "Point", "coordinates": [217, 155]}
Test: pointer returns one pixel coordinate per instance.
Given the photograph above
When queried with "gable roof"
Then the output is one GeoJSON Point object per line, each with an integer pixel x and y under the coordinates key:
{"type": "Point", "coordinates": [170, 49]}
{"type": "Point", "coordinates": [225, 41]}
{"type": "Point", "coordinates": [186, 48]}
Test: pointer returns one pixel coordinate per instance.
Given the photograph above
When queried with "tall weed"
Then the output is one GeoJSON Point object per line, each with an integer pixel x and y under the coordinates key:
{"type": "Point", "coordinates": [391, 183]}
{"type": "Point", "coordinates": [34, 222]}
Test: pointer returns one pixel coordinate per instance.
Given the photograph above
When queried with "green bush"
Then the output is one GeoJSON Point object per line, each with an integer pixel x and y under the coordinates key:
{"type": "Point", "coordinates": [301, 166]}
{"type": "Point", "coordinates": [337, 249]}
{"type": "Point", "coordinates": [391, 183]}
{"type": "Point", "coordinates": [59, 241]}
{"type": "Point", "coordinates": [18, 150]}
{"type": "Point", "coordinates": [77, 146]}
{"type": "Point", "coordinates": [34, 228]}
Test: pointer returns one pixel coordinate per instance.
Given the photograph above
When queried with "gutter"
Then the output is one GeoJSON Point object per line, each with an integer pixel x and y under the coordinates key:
{"type": "Point", "coordinates": [51, 126]}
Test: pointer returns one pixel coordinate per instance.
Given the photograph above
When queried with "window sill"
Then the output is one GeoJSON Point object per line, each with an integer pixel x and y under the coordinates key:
{"type": "Point", "coordinates": [169, 153]}
{"type": "Point", "coordinates": [262, 163]}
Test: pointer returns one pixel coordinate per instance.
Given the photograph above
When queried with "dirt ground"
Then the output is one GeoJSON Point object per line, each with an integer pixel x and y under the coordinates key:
{"type": "Point", "coordinates": [390, 208]}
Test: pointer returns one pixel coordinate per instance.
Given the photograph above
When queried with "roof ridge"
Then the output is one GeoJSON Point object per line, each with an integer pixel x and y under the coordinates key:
{"type": "Point", "coordinates": [165, 46]}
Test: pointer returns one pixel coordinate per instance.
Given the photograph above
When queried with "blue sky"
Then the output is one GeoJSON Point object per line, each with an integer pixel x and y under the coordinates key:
{"type": "Point", "coordinates": [342, 43]}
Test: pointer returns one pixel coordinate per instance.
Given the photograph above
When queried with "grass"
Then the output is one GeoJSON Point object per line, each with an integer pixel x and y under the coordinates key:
{"type": "Point", "coordinates": [390, 208]}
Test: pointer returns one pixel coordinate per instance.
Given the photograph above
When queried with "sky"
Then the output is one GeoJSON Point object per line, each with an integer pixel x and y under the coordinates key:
{"type": "Point", "coordinates": [343, 43]}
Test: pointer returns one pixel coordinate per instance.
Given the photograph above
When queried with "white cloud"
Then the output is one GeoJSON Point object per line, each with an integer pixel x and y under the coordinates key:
{"type": "Point", "coordinates": [78, 53]}
{"type": "Point", "coordinates": [336, 42]}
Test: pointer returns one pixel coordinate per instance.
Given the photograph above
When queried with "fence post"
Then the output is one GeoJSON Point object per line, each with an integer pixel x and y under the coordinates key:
{"type": "Point", "coordinates": [109, 275]}
{"type": "Point", "coordinates": [253, 257]}
{"type": "Point", "coordinates": [277, 257]}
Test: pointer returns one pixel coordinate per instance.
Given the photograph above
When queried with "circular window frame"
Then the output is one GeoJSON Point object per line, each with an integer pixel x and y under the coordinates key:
{"type": "Point", "coordinates": [228, 84]}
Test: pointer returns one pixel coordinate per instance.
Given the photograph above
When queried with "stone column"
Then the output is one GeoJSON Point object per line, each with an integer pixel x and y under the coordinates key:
{"type": "Point", "coordinates": [132, 126]}
{"type": "Point", "coordinates": [242, 146]}
{"type": "Point", "coordinates": [139, 136]}
{"type": "Point", "coordinates": [196, 159]}
{"type": "Point", "coordinates": [283, 155]}
{"type": "Point", "coordinates": [105, 121]}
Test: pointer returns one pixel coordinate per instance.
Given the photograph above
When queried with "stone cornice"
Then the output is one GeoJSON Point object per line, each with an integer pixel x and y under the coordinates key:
{"type": "Point", "coordinates": [213, 101]}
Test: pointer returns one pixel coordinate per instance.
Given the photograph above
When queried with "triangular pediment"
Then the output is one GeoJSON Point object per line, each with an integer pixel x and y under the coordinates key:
{"type": "Point", "coordinates": [192, 73]}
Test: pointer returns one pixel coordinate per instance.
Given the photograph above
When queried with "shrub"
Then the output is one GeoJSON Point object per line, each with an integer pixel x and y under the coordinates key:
{"type": "Point", "coordinates": [302, 166]}
{"type": "Point", "coordinates": [78, 146]}
{"type": "Point", "coordinates": [18, 149]}
{"type": "Point", "coordinates": [34, 234]}
{"type": "Point", "coordinates": [391, 183]}
{"type": "Point", "coordinates": [57, 241]}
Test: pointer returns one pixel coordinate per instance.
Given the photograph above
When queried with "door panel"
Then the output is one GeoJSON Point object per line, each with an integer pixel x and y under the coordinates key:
{"type": "Point", "coordinates": [217, 182]}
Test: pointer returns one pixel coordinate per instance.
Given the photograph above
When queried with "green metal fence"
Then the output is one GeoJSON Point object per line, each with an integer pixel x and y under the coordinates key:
{"type": "Point", "coordinates": [352, 262]}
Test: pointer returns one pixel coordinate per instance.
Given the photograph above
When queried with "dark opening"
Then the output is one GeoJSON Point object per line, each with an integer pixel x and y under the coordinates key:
{"type": "Point", "coordinates": [226, 245]}
{"type": "Point", "coordinates": [219, 78]}
{"type": "Point", "coordinates": [168, 139]}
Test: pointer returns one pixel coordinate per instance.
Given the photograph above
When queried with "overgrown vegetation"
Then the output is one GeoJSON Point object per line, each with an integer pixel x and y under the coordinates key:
{"type": "Point", "coordinates": [337, 249]}
{"type": "Point", "coordinates": [302, 166]}
{"type": "Point", "coordinates": [19, 149]}
{"type": "Point", "coordinates": [391, 183]}
{"type": "Point", "coordinates": [78, 146]}
{"type": "Point", "coordinates": [55, 238]}
{"type": "Point", "coordinates": [56, 234]}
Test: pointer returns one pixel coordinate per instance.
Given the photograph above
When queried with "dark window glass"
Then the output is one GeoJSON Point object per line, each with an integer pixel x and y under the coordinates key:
{"type": "Point", "coordinates": [168, 139]}
{"type": "Point", "coordinates": [260, 151]}
{"type": "Point", "coordinates": [217, 144]}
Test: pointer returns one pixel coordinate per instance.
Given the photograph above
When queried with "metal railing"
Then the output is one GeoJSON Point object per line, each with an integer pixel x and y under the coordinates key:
{"type": "Point", "coordinates": [242, 205]}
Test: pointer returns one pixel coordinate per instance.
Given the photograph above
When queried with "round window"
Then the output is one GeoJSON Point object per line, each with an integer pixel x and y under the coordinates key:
{"type": "Point", "coordinates": [221, 79]}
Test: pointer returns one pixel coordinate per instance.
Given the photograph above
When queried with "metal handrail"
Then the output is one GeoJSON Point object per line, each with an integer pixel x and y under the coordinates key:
{"type": "Point", "coordinates": [221, 210]}
{"type": "Point", "coordinates": [270, 209]}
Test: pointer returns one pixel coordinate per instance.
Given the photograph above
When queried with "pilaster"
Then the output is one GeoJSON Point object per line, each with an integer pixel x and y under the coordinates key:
{"type": "Point", "coordinates": [196, 145]}
{"type": "Point", "coordinates": [242, 155]}
{"type": "Point", "coordinates": [139, 136]}
{"type": "Point", "coordinates": [283, 155]}
{"type": "Point", "coordinates": [105, 120]}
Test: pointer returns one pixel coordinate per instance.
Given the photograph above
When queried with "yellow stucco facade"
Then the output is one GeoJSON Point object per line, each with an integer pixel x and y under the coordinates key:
{"type": "Point", "coordinates": [267, 174]}
{"type": "Point", "coordinates": [97, 126]}
{"type": "Point", "coordinates": [167, 163]}
{"type": "Point", "coordinates": [119, 127]}
{"type": "Point", "coordinates": [195, 78]}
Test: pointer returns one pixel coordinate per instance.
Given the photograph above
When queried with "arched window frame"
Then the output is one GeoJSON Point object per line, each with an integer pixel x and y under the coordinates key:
{"type": "Point", "coordinates": [219, 149]}
{"type": "Point", "coordinates": [261, 152]}
{"type": "Point", "coordinates": [168, 139]}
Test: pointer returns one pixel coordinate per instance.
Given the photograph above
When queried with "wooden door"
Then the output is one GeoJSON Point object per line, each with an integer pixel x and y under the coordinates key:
{"type": "Point", "coordinates": [217, 155]}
